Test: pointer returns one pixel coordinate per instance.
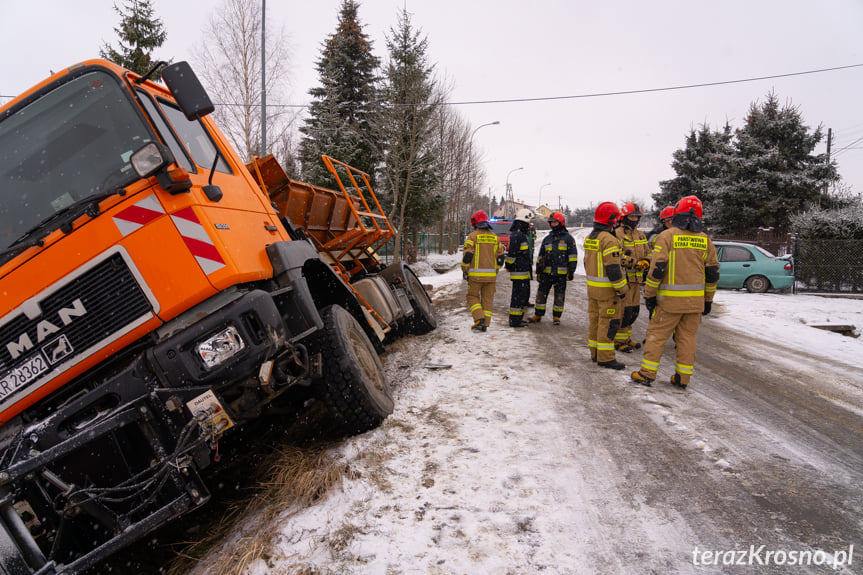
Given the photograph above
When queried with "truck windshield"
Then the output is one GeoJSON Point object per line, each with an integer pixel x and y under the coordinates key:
{"type": "Point", "coordinates": [69, 144]}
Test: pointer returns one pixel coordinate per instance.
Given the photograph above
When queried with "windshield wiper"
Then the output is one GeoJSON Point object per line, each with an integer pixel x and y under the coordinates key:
{"type": "Point", "coordinates": [19, 247]}
{"type": "Point", "coordinates": [61, 220]}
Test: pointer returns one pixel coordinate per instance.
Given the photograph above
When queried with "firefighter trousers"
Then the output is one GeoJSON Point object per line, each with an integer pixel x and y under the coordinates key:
{"type": "Point", "coordinates": [660, 328]}
{"type": "Point", "coordinates": [604, 321]}
{"type": "Point", "coordinates": [518, 300]}
{"type": "Point", "coordinates": [480, 296]}
{"type": "Point", "coordinates": [546, 282]}
{"type": "Point", "coordinates": [630, 313]}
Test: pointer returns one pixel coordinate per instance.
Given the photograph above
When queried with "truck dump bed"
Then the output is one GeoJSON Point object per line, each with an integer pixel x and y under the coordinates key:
{"type": "Point", "coordinates": [347, 226]}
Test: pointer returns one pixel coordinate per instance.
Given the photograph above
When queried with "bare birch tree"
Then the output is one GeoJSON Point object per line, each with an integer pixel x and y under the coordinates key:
{"type": "Point", "coordinates": [229, 61]}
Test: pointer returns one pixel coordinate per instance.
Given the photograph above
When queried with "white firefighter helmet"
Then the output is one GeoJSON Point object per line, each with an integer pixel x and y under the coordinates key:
{"type": "Point", "coordinates": [524, 215]}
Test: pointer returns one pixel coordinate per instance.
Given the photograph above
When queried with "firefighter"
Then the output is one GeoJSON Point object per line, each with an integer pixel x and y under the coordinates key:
{"type": "Point", "coordinates": [606, 286]}
{"type": "Point", "coordinates": [680, 287]}
{"type": "Point", "coordinates": [482, 257]}
{"type": "Point", "coordinates": [664, 224]}
{"type": "Point", "coordinates": [635, 263]}
{"type": "Point", "coordinates": [558, 258]}
{"type": "Point", "coordinates": [519, 264]}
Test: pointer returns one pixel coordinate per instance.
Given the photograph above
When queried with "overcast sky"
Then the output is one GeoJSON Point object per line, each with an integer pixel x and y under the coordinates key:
{"type": "Point", "coordinates": [589, 149]}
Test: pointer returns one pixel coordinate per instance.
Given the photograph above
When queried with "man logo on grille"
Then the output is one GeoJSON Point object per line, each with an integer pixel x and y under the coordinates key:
{"type": "Point", "coordinates": [45, 328]}
{"type": "Point", "coordinates": [57, 349]}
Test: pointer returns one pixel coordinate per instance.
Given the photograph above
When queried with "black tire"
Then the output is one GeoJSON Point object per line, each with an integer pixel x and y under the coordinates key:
{"type": "Point", "coordinates": [353, 387]}
{"type": "Point", "coordinates": [423, 320]}
{"type": "Point", "coordinates": [757, 284]}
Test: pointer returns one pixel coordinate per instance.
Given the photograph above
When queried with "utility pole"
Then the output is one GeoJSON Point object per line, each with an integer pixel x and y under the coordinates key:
{"type": "Point", "coordinates": [263, 79]}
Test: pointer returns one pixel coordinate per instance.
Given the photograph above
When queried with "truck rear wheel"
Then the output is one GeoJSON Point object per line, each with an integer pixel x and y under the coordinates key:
{"type": "Point", "coordinates": [353, 387]}
{"type": "Point", "coordinates": [423, 320]}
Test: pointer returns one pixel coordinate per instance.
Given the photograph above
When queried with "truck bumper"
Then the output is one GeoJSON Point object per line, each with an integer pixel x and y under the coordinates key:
{"type": "Point", "coordinates": [103, 467]}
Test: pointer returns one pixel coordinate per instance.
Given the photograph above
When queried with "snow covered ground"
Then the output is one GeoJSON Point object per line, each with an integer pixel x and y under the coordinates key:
{"type": "Point", "coordinates": [497, 458]}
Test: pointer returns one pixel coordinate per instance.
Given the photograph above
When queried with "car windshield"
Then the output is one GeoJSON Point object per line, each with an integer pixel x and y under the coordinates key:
{"type": "Point", "coordinates": [71, 143]}
{"type": "Point", "coordinates": [501, 227]}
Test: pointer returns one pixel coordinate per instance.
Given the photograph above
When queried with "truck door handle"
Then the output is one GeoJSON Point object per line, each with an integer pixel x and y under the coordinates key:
{"type": "Point", "coordinates": [746, 265]}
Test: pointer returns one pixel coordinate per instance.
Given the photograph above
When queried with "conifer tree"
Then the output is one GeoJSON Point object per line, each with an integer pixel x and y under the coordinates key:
{"type": "Point", "coordinates": [140, 32]}
{"type": "Point", "coordinates": [699, 165]}
{"type": "Point", "coordinates": [338, 120]}
{"type": "Point", "coordinates": [774, 174]}
{"type": "Point", "coordinates": [405, 127]}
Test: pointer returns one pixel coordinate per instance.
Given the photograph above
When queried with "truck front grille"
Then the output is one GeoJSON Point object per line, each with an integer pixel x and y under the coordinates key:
{"type": "Point", "coordinates": [69, 321]}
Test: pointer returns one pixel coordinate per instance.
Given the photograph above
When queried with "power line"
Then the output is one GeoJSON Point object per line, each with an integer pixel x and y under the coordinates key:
{"type": "Point", "coordinates": [595, 94]}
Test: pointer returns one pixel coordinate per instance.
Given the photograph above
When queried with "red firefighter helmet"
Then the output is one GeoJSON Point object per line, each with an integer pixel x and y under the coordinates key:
{"type": "Point", "coordinates": [684, 205]}
{"type": "Point", "coordinates": [478, 216]}
{"type": "Point", "coordinates": [606, 213]}
{"type": "Point", "coordinates": [631, 209]}
{"type": "Point", "coordinates": [558, 217]}
{"type": "Point", "coordinates": [667, 212]}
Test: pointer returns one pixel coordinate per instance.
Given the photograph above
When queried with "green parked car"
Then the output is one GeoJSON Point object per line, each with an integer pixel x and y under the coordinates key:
{"type": "Point", "coordinates": [752, 267]}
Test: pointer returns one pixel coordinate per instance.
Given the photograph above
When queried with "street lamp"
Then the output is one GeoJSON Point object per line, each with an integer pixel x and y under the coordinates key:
{"type": "Point", "coordinates": [539, 199]}
{"type": "Point", "coordinates": [508, 194]}
{"type": "Point", "coordinates": [470, 159]}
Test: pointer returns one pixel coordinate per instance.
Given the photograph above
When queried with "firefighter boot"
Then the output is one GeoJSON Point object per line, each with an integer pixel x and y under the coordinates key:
{"type": "Point", "coordinates": [675, 381]}
{"type": "Point", "coordinates": [555, 321]}
{"type": "Point", "coordinates": [638, 377]}
{"type": "Point", "coordinates": [613, 364]}
{"type": "Point", "coordinates": [479, 325]}
{"type": "Point", "coordinates": [536, 318]}
{"type": "Point", "coordinates": [627, 346]}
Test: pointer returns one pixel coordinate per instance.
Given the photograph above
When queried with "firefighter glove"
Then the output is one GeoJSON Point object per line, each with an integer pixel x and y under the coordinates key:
{"type": "Point", "coordinates": [569, 275]}
{"type": "Point", "coordinates": [650, 304]}
{"type": "Point", "coordinates": [642, 265]}
{"type": "Point", "coordinates": [707, 306]}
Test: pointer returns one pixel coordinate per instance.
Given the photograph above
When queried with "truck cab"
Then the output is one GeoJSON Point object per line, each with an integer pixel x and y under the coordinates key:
{"type": "Point", "coordinates": [154, 300]}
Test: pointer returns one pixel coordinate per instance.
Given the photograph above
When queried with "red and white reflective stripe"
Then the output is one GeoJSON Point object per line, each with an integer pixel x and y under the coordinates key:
{"type": "Point", "coordinates": [138, 215]}
{"type": "Point", "coordinates": [197, 240]}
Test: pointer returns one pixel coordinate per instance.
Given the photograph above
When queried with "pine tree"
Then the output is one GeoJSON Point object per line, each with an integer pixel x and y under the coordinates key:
{"type": "Point", "coordinates": [405, 127]}
{"type": "Point", "coordinates": [699, 166]}
{"type": "Point", "coordinates": [774, 174]}
{"type": "Point", "coordinates": [140, 32]}
{"type": "Point", "coordinates": [338, 121]}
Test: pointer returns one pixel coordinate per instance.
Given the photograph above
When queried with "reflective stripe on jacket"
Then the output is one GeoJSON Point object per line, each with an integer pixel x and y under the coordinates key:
{"type": "Point", "coordinates": [600, 252]}
{"type": "Point", "coordinates": [485, 247]}
{"type": "Point", "coordinates": [633, 242]}
{"type": "Point", "coordinates": [559, 253]}
{"type": "Point", "coordinates": [683, 255]}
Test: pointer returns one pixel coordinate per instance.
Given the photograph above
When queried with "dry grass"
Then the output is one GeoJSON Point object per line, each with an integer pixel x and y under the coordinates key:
{"type": "Point", "coordinates": [296, 478]}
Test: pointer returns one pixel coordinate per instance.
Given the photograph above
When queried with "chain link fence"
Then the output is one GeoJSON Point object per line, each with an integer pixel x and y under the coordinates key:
{"type": "Point", "coordinates": [828, 265]}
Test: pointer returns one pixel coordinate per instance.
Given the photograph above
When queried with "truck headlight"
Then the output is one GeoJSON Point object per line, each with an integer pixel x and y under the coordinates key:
{"type": "Point", "coordinates": [220, 347]}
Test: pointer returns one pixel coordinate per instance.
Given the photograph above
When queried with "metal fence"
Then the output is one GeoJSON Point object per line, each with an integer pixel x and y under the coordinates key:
{"type": "Point", "coordinates": [426, 243]}
{"type": "Point", "coordinates": [828, 265]}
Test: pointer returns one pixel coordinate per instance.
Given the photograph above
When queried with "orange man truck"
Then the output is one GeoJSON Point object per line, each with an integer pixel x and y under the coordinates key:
{"type": "Point", "coordinates": [157, 295]}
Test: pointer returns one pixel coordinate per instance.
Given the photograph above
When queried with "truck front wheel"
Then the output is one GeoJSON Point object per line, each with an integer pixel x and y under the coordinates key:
{"type": "Point", "coordinates": [353, 387]}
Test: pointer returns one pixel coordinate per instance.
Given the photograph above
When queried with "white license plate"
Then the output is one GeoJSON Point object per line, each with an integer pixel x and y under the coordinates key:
{"type": "Point", "coordinates": [22, 375]}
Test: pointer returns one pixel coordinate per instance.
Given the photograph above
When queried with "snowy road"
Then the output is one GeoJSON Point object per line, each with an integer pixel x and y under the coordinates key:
{"type": "Point", "coordinates": [523, 457]}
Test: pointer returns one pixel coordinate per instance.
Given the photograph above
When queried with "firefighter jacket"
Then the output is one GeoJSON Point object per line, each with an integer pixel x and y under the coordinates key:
{"type": "Point", "coordinates": [683, 272]}
{"type": "Point", "coordinates": [482, 255]}
{"type": "Point", "coordinates": [633, 242]}
{"type": "Point", "coordinates": [602, 254]}
{"type": "Point", "coordinates": [558, 254]}
{"type": "Point", "coordinates": [519, 258]}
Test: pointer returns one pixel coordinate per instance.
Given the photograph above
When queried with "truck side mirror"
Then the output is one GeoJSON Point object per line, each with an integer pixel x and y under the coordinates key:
{"type": "Point", "coordinates": [187, 90]}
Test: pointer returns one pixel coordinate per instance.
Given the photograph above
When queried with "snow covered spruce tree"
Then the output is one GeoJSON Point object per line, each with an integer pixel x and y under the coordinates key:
{"type": "Point", "coordinates": [699, 166]}
{"type": "Point", "coordinates": [338, 119]}
{"type": "Point", "coordinates": [140, 33]}
{"type": "Point", "coordinates": [773, 173]}
{"type": "Point", "coordinates": [404, 125]}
